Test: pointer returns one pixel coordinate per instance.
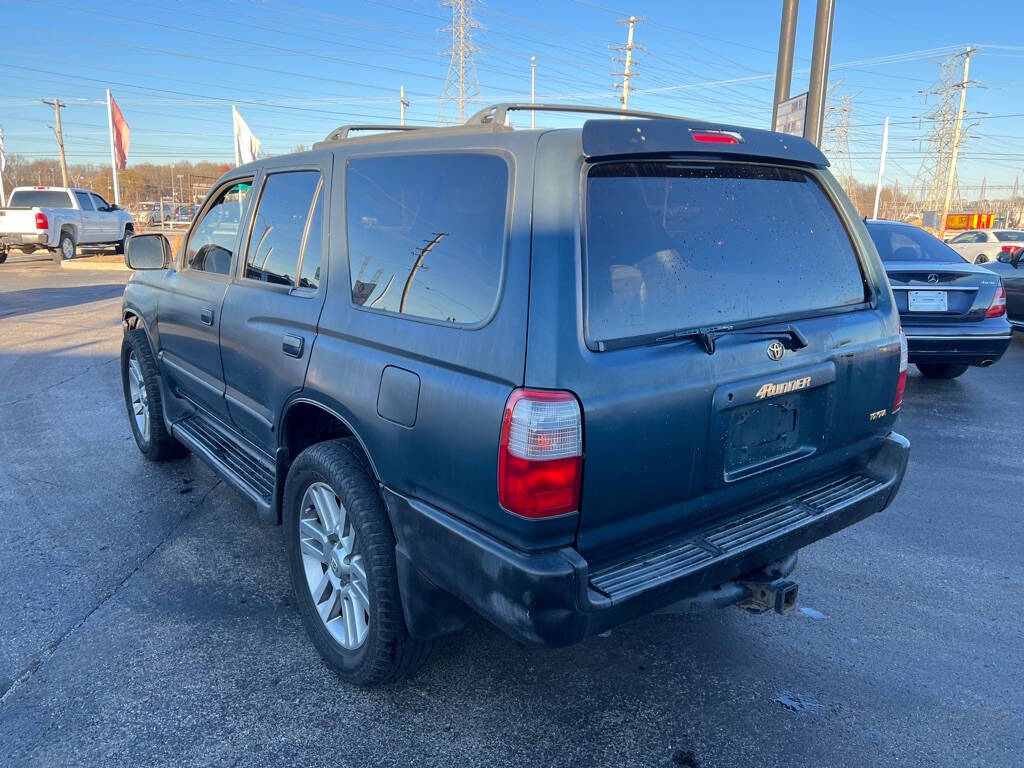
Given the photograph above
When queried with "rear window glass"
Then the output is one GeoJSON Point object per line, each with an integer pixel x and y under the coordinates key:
{"type": "Point", "coordinates": [39, 198]}
{"type": "Point", "coordinates": [1012, 237]}
{"type": "Point", "coordinates": [899, 243]}
{"type": "Point", "coordinates": [678, 246]}
{"type": "Point", "coordinates": [426, 234]}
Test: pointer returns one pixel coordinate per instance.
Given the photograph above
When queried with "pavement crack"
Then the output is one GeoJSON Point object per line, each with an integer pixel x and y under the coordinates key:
{"type": "Point", "coordinates": [47, 388]}
{"type": "Point", "coordinates": [37, 663]}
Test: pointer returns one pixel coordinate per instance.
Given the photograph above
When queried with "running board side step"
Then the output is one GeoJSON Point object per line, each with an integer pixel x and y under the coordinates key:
{"type": "Point", "coordinates": [246, 468]}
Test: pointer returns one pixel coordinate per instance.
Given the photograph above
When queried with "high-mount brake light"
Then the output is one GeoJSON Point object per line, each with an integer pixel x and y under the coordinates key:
{"type": "Point", "coordinates": [540, 456]}
{"type": "Point", "coordinates": [716, 137]}
{"type": "Point", "coordinates": [42, 222]}
{"type": "Point", "coordinates": [998, 306]}
{"type": "Point", "coordinates": [901, 381]}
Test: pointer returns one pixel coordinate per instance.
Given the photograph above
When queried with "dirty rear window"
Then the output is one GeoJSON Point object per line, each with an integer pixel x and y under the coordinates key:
{"type": "Point", "coordinates": [679, 246]}
{"type": "Point", "coordinates": [39, 198]}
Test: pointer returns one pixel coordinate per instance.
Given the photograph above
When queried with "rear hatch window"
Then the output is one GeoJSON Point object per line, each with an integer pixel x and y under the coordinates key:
{"type": "Point", "coordinates": [676, 246]}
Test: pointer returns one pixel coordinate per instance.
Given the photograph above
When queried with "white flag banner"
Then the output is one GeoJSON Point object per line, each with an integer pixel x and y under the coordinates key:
{"type": "Point", "coordinates": [3, 157]}
{"type": "Point", "coordinates": [247, 146]}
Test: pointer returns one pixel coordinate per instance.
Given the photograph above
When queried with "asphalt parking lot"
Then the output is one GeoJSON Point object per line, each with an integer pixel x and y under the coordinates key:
{"type": "Point", "coordinates": [147, 617]}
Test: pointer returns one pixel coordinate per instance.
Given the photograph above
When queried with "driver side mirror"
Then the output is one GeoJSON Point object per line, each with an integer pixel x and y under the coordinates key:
{"type": "Point", "coordinates": [147, 252]}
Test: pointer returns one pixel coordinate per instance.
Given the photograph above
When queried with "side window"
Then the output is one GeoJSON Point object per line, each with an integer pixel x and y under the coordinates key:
{"type": "Point", "coordinates": [281, 226]}
{"type": "Point", "coordinates": [212, 242]}
{"type": "Point", "coordinates": [426, 234]}
{"type": "Point", "coordinates": [99, 202]}
{"type": "Point", "coordinates": [84, 202]}
{"type": "Point", "coordinates": [309, 269]}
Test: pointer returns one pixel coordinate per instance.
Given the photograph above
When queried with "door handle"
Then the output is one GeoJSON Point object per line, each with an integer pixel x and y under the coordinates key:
{"type": "Point", "coordinates": [206, 315]}
{"type": "Point", "coordinates": [292, 345]}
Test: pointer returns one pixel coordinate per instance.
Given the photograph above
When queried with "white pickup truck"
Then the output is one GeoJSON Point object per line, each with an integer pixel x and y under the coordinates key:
{"type": "Point", "coordinates": [60, 219]}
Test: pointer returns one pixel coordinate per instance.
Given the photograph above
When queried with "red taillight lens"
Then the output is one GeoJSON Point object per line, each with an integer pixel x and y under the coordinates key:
{"type": "Point", "coordinates": [901, 380]}
{"type": "Point", "coordinates": [1009, 248]}
{"type": "Point", "coordinates": [42, 222]}
{"type": "Point", "coordinates": [540, 457]}
{"type": "Point", "coordinates": [715, 137]}
{"type": "Point", "coordinates": [998, 306]}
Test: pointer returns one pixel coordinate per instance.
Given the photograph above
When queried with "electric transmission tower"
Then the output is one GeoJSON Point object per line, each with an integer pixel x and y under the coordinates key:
{"type": "Point", "coordinates": [460, 86]}
{"type": "Point", "coordinates": [836, 141]}
{"type": "Point", "coordinates": [936, 175]}
{"type": "Point", "coordinates": [626, 59]}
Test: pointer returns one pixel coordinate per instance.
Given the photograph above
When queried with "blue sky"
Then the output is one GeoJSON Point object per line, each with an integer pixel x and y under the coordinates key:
{"type": "Point", "coordinates": [296, 71]}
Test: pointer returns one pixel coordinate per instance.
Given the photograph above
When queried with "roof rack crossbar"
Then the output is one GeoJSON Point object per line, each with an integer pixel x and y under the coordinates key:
{"type": "Point", "coordinates": [342, 131]}
{"type": "Point", "coordinates": [496, 114]}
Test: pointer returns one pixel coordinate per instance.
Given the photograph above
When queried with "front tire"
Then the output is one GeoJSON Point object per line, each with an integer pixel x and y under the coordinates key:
{"type": "Point", "coordinates": [941, 370]}
{"type": "Point", "coordinates": [140, 380]}
{"type": "Point", "coordinates": [341, 556]}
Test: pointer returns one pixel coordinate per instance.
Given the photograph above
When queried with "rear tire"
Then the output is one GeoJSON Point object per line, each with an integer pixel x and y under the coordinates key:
{"type": "Point", "coordinates": [140, 380]}
{"type": "Point", "coordinates": [3, 256]}
{"type": "Point", "coordinates": [66, 246]}
{"type": "Point", "coordinates": [981, 258]}
{"type": "Point", "coordinates": [345, 571]}
{"type": "Point", "coordinates": [941, 370]}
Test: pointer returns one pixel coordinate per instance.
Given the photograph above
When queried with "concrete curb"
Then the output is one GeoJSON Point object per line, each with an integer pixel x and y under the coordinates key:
{"type": "Point", "coordinates": [92, 264]}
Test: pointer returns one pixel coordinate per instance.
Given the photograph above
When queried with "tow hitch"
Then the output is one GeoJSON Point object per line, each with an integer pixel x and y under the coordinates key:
{"type": "Point", "coordinates": [778, 595]}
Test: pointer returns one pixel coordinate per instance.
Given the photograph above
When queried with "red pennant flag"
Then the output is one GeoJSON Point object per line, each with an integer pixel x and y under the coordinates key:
{"type": "Point", "coordinates": [122, 134]}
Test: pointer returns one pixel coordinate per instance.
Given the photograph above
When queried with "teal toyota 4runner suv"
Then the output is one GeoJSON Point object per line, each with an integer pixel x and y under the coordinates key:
{"type": "Point", "coordinates": [561, 377]}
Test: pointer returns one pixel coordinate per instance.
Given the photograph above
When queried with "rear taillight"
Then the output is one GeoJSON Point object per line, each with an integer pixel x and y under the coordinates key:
{"type": "Point", "coordinates": [540, 458]}
{"type": "Point", "coordinates": [998, 306]}
{"type": "Point", "coordinates": [42, 222]}
{"type": "Point", "coordinates": [1009, 248]}
{"type": "Point", "coordinates": [901, 381]}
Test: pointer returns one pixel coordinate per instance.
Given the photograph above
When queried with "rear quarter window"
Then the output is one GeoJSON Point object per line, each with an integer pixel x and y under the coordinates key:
{"type": "Point", "coordinates": [678, 246]}
{"type": "Point", "coordinates": [426, 234]}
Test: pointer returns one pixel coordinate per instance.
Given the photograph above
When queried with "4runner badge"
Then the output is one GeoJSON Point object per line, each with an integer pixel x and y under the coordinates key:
{"type": "Point", "coordinates": [776, 350]}
{"type": "Point", "coordinates": [771, 390]}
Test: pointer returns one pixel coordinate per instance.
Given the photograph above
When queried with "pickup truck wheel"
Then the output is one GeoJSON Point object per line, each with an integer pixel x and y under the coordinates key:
{"type": "Point", "coordinates": [341, 555]}
{"type": "Point", "coordinates": [140, 380]}
{"type": "Point", "coordinates": [123, 242]}
{"type": "Point", "coordinates": [66, 246]}
{"type": "Point", "coordinates": [3, 256]}
{"type": "Point", "coordinates": [941, 370]}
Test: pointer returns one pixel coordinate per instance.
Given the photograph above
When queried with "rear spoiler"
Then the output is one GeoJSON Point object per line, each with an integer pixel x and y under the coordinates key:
{"type": "Point", "coordinates": [611, 138]}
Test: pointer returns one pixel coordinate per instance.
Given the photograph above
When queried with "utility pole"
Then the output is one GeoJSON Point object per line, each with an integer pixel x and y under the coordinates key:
{"type": "Point", "coordinates": [402, 103]}
{"type": "Point", "coordinates": [460, 87]}
{"type": "Point", "coordinates": [881, 166]}
{"type": "Point", "coordinates": [956, 144]}
{"type": "Point", "coordinates": [632, 21]}
{"type": "Point", "coordinates": [427, 248]}
{"type": "Point", "coordinates": [784, 65]}
{"type": "Point", "coordinates": [60, 138]}
{"type": "Point", "coordinates": [818, 87]}
{"type": "Point", "coordinates": [533, 90]}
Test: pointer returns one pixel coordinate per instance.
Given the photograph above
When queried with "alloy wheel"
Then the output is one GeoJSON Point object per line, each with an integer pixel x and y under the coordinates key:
{"type": "Point", "coordinates": [139, 396]}
{"type": "Point", "coordinates": [335, 571]}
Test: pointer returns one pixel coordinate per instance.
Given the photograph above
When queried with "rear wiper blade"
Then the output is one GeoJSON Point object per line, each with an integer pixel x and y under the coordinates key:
{"type": "Point", "coordinates": [709, 336]}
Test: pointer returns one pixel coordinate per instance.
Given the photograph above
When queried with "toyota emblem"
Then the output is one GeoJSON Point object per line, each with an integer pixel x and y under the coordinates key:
{"type": "Point", "coordinates": [776, 350]}
{"type": "Point", "coordinates": [933, 278]}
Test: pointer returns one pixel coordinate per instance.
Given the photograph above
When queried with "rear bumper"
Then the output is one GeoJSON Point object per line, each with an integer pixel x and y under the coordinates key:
{"type": "Point", "coordinates": [982, 344]}
{"type": "Point", "coordinates": [16, 239]}
{"type": "Point", "coordinates": [556, 598]}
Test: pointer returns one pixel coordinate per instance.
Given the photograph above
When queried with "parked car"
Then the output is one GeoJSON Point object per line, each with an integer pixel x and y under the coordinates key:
{"type": "Point", "coordinates": [1009, 265]}
{"type": "Point", "coordinates": [980, 246]}
{"type": "Point", "coordinates": [561, 378]}
{"type": "Point", "coordinates": [60, 219]}
{"type": "Point", "coordinates": [953, 313]}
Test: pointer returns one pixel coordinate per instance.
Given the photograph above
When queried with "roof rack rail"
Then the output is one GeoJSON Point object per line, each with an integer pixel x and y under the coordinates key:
{"type": "Point", "coordinates": [342, 131]}
{"type": "Point", "coordinates": [496, 114]}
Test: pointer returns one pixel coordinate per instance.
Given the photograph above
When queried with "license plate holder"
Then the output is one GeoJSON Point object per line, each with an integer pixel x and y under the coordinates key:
{"type": "Point", "coordinates": [927, 301]}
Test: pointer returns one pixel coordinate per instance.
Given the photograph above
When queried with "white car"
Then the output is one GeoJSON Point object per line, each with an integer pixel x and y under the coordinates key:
{"type": "Point", "coordinates": [60, 219]}
{"type": "Point", "coordinates": [979, 246]}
